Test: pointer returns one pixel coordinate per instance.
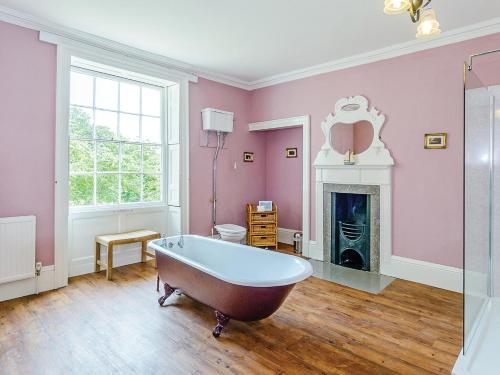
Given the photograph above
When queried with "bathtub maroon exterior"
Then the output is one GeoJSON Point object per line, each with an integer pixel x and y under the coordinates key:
{"type": "Point", "coordinates": [245, 303]}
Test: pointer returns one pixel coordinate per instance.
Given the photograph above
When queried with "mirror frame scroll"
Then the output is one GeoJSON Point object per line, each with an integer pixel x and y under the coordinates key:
{"type": "Point", "coordinates": [375, 154]}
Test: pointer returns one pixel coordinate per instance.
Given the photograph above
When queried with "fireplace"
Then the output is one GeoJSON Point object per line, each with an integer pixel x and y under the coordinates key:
{"type": "Point", "coordinates": [352, 225]}
{"type": "Point", "coordinates": [368, 173]}
{"type": "Point", "coordinates": [351, 230]}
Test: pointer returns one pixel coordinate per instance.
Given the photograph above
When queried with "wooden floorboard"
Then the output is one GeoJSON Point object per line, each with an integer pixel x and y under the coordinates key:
{"type": "Point", "coordinates": [95, 326]}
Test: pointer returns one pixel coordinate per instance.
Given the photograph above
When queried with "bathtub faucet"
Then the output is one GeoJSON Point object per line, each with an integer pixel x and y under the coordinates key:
{"type": "Point", "coordinates": [181, 241]}
{"type": "Point", "coordinates": [163, 239]}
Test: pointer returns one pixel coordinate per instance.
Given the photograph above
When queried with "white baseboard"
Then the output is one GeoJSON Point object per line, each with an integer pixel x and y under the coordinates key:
{"type": "Point", "coordinates": [26, 287]}
{"type": "Point", "coordinates": [433, 274]}
{"type": "Point", "coordinates": [438, 275]}
{"type": "Point", "coordinates": [315, 252]}
{"type": "Point", "coordinates": [121, 257]}
{"type": "Point", "coordinates": [286, 235]}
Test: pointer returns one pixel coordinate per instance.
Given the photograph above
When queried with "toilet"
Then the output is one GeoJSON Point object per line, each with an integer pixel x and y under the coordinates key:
{"type": "Point", "coordinates": [231, 232]}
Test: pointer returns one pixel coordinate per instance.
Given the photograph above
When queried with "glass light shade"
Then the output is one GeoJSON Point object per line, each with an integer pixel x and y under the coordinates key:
{"type": "Point", "coordinates": [396, 6]}
{"type": "Point", "coordinates": [428, 25]}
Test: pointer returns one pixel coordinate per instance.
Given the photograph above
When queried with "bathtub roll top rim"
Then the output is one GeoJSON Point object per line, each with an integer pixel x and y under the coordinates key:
{"type": "Point", "coordinates": [234, 263]}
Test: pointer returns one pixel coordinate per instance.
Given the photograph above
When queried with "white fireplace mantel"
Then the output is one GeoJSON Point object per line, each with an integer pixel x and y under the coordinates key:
{"type": "Point", "coordinates": [373, 166]}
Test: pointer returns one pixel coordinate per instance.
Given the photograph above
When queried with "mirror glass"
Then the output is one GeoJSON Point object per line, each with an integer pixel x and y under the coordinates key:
{"type": "Point", "coordinates": [357, 137]}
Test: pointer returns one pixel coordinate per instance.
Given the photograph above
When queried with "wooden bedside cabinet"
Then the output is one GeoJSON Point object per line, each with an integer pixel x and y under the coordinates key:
{"type": "Point", "coordinates": [262, 227]}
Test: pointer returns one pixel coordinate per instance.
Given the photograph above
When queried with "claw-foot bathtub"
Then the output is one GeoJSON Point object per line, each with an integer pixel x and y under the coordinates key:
{"type": "Point", "coordinates": [237, 281]}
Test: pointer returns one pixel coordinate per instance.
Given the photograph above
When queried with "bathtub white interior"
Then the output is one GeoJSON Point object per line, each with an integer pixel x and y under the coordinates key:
{"type": "Point", "coordinates": [237, 264]}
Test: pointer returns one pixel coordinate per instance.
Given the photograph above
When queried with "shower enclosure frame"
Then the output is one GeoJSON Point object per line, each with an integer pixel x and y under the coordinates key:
{"type": "Point", "coordinates": [481, 307]}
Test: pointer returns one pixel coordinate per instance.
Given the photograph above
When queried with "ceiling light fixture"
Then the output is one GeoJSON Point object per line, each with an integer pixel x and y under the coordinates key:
{"type": "Point", "coordinates": [396, 6]}
{"type": "Point", "coordinates": [419, 12]}
{"type": "Point", "coordinates": [428, 25]}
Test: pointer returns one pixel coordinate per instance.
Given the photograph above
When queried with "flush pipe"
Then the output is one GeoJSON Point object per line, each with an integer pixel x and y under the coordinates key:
{"type": "Point", "coordinates": [220, 145]}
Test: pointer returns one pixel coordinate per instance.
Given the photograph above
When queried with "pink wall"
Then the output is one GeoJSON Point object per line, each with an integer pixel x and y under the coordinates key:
{"type": "Point", "coordinates": [235, 187]}
{"type": "Point", "coordinates": [427, 194]}
{"type": "Point", "coordinates": [284, 175]}
{"type": "Point", "coordinates": [27, 128]}
{"type": "Point", "coordinates": [419, 93]}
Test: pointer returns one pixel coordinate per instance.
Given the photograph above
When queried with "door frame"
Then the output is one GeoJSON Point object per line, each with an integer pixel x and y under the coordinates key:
{"type": "Point", "coordinates": [305, 123]}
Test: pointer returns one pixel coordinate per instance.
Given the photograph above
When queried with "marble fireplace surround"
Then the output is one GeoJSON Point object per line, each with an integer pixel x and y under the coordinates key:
{"type": "Point", "coordinates": [372, 169]}
{"type": "Point", "coordinates": [329, 200]}
{"type": "Point", "coordinates": [357, 177]}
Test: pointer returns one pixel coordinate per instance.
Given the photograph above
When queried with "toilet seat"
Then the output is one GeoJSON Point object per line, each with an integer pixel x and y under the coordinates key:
{"type": "Point", "coordinates": [231, 232]}
{"type": "Point", "coordinates": [230, 228]}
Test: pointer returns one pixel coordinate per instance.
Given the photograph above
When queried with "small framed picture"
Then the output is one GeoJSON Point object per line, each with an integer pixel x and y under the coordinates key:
{"type": "Point", "coordinates": [265, 206]}
{"type": "Point", "coordinates": [435, 140]}
{"type": "Point", "coordinates": [291, 152]}
{"type": "Point", "coordinates": [248, 157]}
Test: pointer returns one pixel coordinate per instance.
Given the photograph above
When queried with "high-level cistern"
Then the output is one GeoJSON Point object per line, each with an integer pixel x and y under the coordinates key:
{"type": "Point", "coordinates": [221, 122]}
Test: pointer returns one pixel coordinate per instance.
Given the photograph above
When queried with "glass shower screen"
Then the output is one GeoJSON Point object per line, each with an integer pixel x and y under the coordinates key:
{"type": "Point", "coordinates": [478, 190]}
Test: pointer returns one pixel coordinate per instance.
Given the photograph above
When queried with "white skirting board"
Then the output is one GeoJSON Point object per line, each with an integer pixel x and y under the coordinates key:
{"type": "Point", "coordinates": [286, 235]}
{"type": "Point", "coordinates": [122, 256]}
{"type": "Point", "coordinates": [27, 287]}
{"type": "Point", "coordinates": [437, 275]}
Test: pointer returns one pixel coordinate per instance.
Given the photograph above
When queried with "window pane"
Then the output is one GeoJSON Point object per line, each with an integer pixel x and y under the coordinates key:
{"type": "Point", "coordinates": [131, 158]}
{"type": "Point", "coordinates": [81, 190]}
{"type": "Point", "coordinates": [131, 188]}
{"type": "Point", "coordinates": [82, 89]}
{"type": "Point", "coordinates": [152, 159]}
{"type": "Point", "coordinates": [107, 156]}
{"type": "Point", "coordinates": [151, 101]}
{"type": "Point", "coordinates": [151, 129]}
{"type": "Point", "coordinates": [116, 140]}
{"type": "Point", "coordinates": [152, 188]}
{"type": "Point", "coordinates": [106, 124]}
{"type": "Point", "coordinates": [106, 94]}
{"type": "Point", "coordinates": [81, 123]}
{"type": "Point", "coordinates": [81, 156]}
{"type": "Point", "coordinates": [129, 127]}
{"type": "Point", "coordinates": [107, 188]}
{"type": "Point", "coordinates": [130, 98]}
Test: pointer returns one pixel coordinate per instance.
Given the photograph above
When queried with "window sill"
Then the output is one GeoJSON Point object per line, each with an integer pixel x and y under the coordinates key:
{"type": "Point", "coordinates": [114, 209]}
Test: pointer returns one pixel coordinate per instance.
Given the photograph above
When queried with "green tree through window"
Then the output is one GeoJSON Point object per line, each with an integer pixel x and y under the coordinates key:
{"type": "Point", "coordinates": [106, 170]}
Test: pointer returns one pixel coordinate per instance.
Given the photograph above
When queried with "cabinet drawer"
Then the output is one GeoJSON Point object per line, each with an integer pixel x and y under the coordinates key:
{"type": "Point", "coordinates": [264, 228]}
{"type": "Point", "coordinates": [263, 217]}
{"type": "Point", "coordinates": [263, 240]}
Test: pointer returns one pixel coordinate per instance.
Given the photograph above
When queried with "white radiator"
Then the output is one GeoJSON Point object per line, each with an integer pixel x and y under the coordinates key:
{"type": "Point", "coordinates": [17, 248]}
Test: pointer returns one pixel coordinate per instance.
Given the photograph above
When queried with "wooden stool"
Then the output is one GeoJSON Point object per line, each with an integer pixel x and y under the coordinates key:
{"type": "Point", "coordinates": [110, 240]}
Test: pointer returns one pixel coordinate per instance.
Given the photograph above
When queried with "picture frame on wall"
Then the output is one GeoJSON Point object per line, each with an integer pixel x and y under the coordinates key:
{"type": "Point", "coordinates": [248, 157]}
{"type": "Point", "coordinates": [435, 140]}
{"type": "Point", "coordinates": [291, 152]}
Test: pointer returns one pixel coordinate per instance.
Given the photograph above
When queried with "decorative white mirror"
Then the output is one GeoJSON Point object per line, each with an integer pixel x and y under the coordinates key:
{"type": "Point", "coordinates": [356, 137]}
{"type": "Point", "coordinates": [353, 128]}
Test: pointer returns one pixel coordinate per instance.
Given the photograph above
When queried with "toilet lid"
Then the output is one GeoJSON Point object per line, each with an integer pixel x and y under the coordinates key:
{"type": "Point", "coordinates": [230, 228]}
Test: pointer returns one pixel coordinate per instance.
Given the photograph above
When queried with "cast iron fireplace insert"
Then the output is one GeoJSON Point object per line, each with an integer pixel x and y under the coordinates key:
{"type": "Point", "coordinates": [351, 230]}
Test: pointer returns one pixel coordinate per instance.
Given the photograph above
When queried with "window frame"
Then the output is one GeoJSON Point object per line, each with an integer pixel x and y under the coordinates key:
{"type": "Point", "coordinates": [118, 75]}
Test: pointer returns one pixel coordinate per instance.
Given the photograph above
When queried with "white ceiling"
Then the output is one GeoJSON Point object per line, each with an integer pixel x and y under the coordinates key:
{"type": "Point", "coordinates": [250, 39]}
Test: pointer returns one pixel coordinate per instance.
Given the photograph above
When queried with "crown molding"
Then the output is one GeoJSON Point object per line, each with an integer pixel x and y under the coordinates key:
{"type": "Point", "coordinates": [57, 34]}
{"type": "Point", "coordinates": [448, 37]}
{"type": "Point", "coordinates": [225, 79]}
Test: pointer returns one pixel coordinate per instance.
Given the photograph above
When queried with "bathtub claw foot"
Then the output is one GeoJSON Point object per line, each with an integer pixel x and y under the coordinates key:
{"type": "Point", "coordinates": [168, 291]}
{"type": "Point", "coordinates": [222, 321]}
